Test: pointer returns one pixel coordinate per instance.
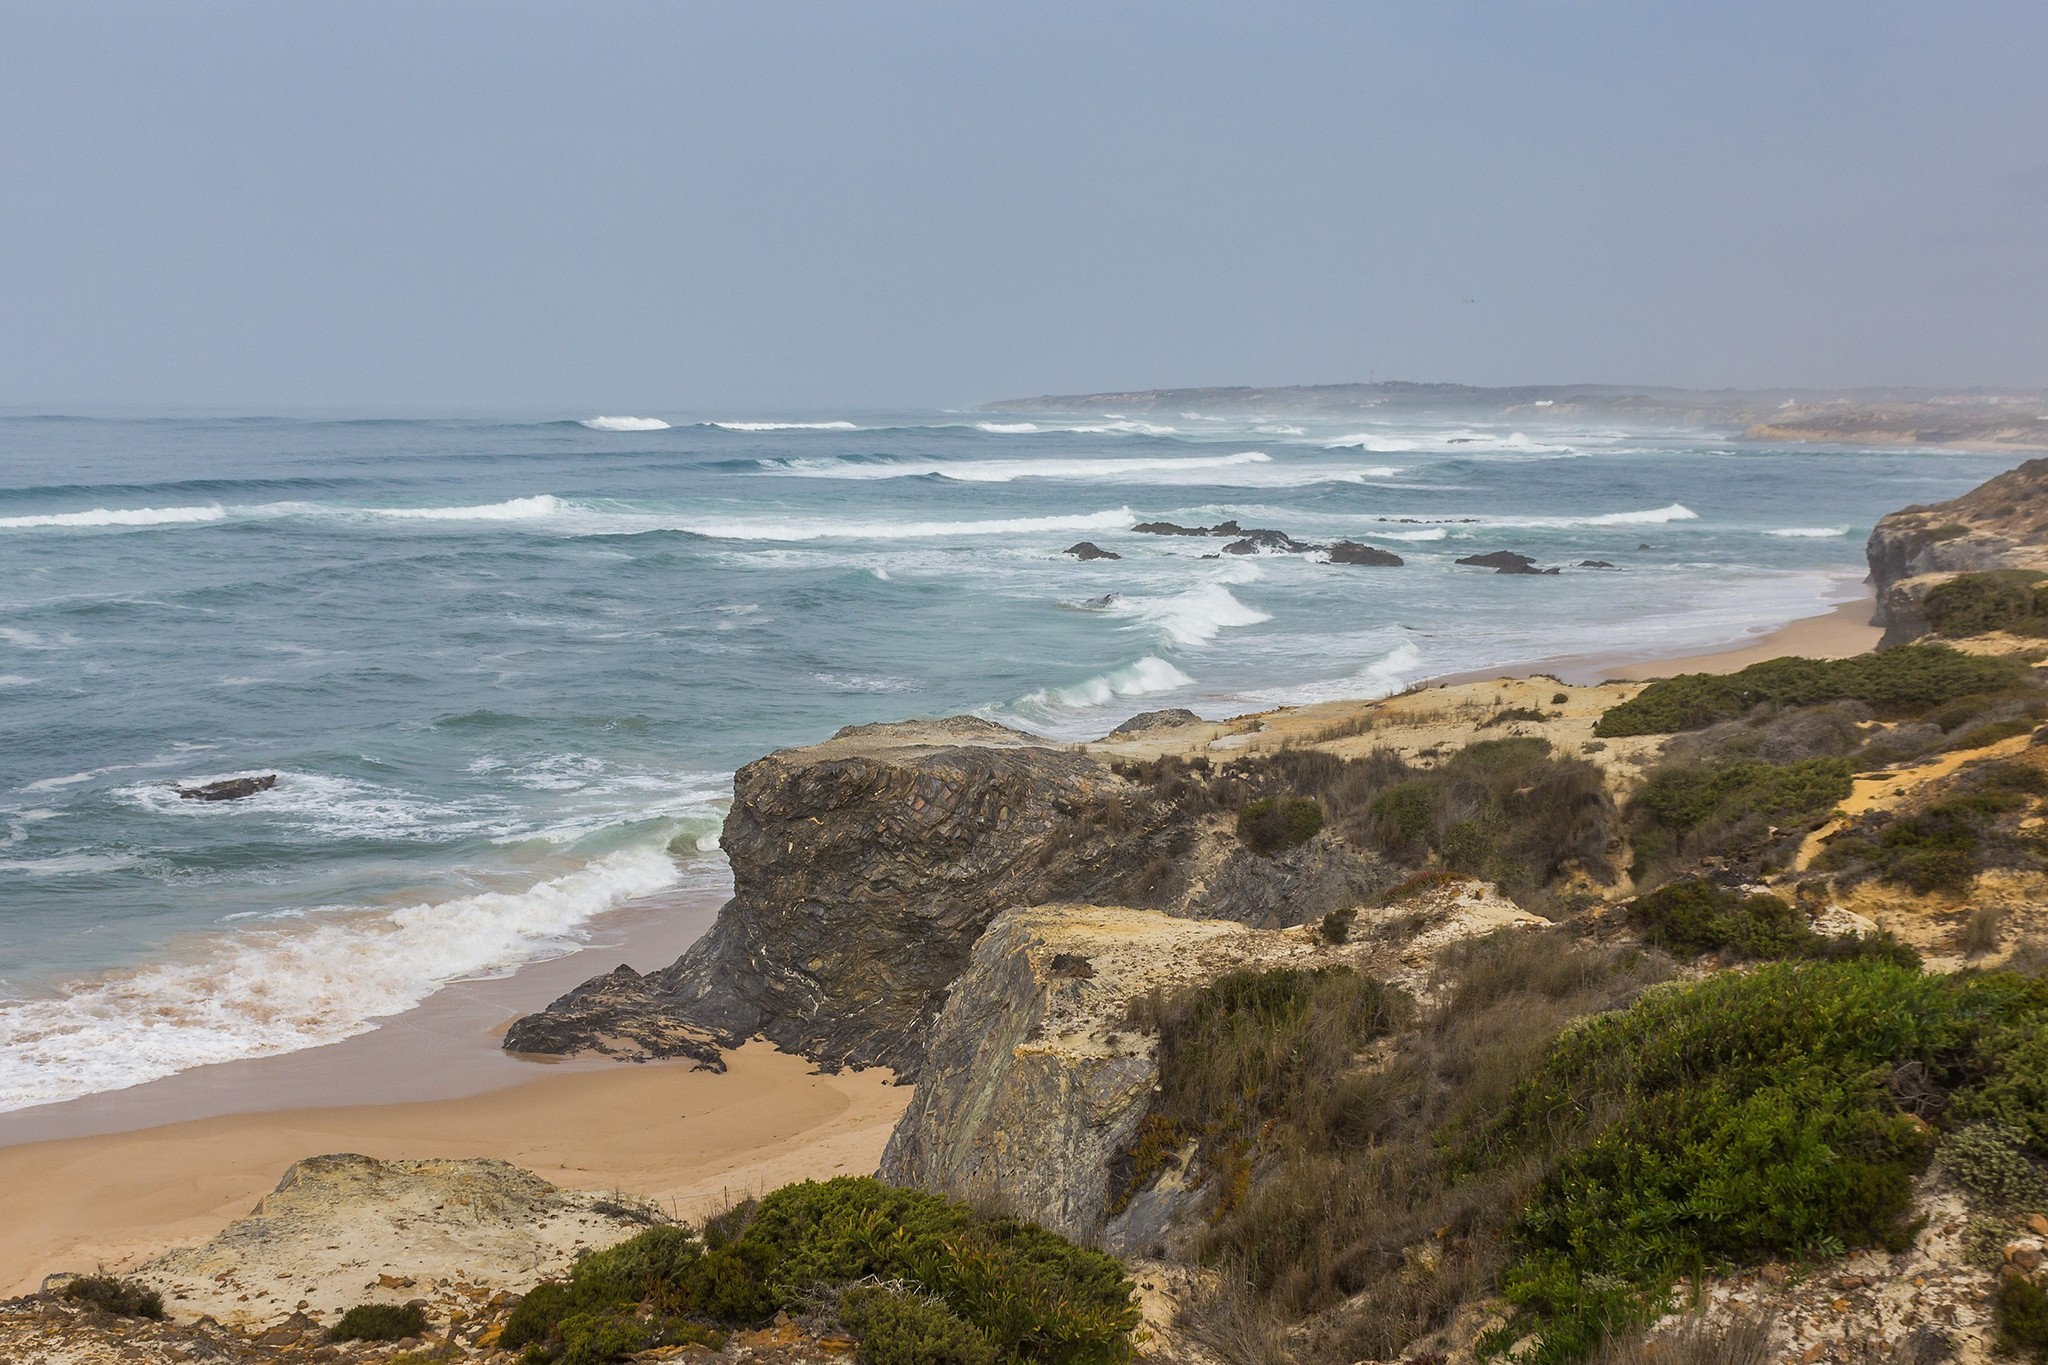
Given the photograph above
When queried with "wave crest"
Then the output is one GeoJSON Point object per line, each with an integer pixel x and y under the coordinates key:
{"type": "Point", "coordinates": [117, 516]}
{"type": "Point", "coordinates": [625, 424]}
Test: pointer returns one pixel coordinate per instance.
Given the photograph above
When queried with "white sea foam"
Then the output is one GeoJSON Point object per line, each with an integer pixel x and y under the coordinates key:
{"type": "Point", "coordinates": [1809, 532]}
{"type": "Point", "coordinates": [1006, 428]}
{"type": "Point", "coordinates": [1454, 442]}
{"type": "Point", "coordinates": [15, 680]}
{"type": "Point", "coordinates": [319, 806]}
{"type": "Point", "coordinates": [1426, 533]}
{"type": "Point", "coordinates": [69, 864]}
{"type": "Point", "coordinates": [117, 516]}
{"type": "Point", "coordinates": [1177, 468]}
{"type": "Point", "coordinates": [1127, 428]}
{"type": "Point", "coordinates": [625, 424]}
{"type": "Point", "coordinates": [1143, 678]}
{"type": "Point", "coordinates": [1381, 677]}
{"type": "Point", "coordinates": [296, 983]}
{"type": "Point", "coordinates": [1654, 516]}
{"type": "Point", "coordinates": [786, 426]}
{"type": "Point", "coordinates": [515, 509]}
{"type": "Point", "coordinates": [775, 528]}
{"type": "Point", "coordinates": [1193, 617]}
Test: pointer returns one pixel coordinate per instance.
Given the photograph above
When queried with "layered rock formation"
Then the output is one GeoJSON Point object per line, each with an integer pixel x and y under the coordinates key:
{"type": "Point", "coordinates": [1035, 1080]}
{"type": "Point", "coordinates": [2000, 524]}
{"type": "Point", "coordinates": [864, 869]}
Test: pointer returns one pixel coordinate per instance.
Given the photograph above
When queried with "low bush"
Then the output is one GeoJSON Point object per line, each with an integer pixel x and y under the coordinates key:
{"type": "Point", "coordinates": [896, 1326]}
{"type": "Point", "coordinates": [1026, 1294]}
{"type": "Point", "coordinates": [1743, 1117]}
{"type": "Point", "coordinates": [1694, 917]}
{"type": "Point", "coordinates": [1944, 847]}
{"type": "Point", "coordinates": [1274, 824]}
{"type": "Point", "coordinates": [2012, 600]}
{"type": "Point", "coordinates": [381, 1322]}
{"type": "Point", "coordinates": [1991, 1161]}
{"type": "Point", "coordinates": [1749, 812]}
{"type": "Point", "coordinates": [1902, 681]}
{"type": "Point", "coordinates": [2022, 1314]}
{"type": "Point", "coordinates": [1246, 1049]}
{"type": "Point", "coordinates": [123, 1298]}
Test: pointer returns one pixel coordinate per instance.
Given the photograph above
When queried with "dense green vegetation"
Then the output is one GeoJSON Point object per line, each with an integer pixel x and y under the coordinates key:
{"type": "Point", "coordinates": [1517, 1139]}
{"type": "Point", "coordinates": [1508, 810]}
{"type": "Point", "coordinates": [125, 1298]}
{"type": "Point", "coordinates": [1747, 808]}
{"type": "Point", "coordinates": [1694, 917]}
{"type": "Point", "coordinates": [381, 1322]}
{"type": "Point", "coordinates": [1944, 846]}
{"type": "Point", "coordinates": [958, 1287]}
{"type": "Point", "coordinates": [2012, 600]}
{"type": "Point", "coordinates": [1903, 681]}
{"type": "Point", "coordinates": [1273, 824]}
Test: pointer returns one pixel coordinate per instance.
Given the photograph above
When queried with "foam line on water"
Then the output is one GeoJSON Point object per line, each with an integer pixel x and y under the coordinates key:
{"type": "Point", "coordinates": [115, 516]}
{"type": "Point", "coordinates": [277, 988]}
{"type": "Point", "coordinates": [625, 424]}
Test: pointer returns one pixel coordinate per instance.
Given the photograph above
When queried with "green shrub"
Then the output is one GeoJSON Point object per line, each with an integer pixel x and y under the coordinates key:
{"type": "Point", "coordinates": [124, 1298]}
{"type": "Point", "coordinates": [2011, 600]}
{"type": "Point", "coordinates": [1273, 824]}
{"type": "Point", "coordinates": [1902, 681]}
{"type": "Point", "coordinates": [1990, 1160]}
{"type": "Point", "coordinates": [896, 1327]}
{"type": "Point", "coordinates": [1692, 917]}
{"type": "Point", "coordinates": [2022, 1313]}
{"type": "Point", "coordinates": [1030, 1295]}
{"type": "Point", "coordinates": [1744, 811]}
{"type": "Point", "coordinates": [381, 1322]}
{"type": "Point", "coordinates": [1945, 846]}
{"type": "Point", "coordinates": [1739, 1118]}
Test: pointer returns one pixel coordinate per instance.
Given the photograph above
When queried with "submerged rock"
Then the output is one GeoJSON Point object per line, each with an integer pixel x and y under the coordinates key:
{"type": "Point", "coordinates": [1501, 561]}
{"type": "Point", "coordinates": [1351, 552]}
{"type": "Point", "coordinates": [1594, 564]}
{"type": "Point", "coordinates": [228, 788]}
{"type": "Point", "coordinates": [1088, 549]}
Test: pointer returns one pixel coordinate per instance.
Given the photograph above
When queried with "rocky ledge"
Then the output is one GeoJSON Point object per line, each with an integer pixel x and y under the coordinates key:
{"type": "Point", "coordinates": [1035, 1079]}
{"type": "Point", "coordinates": [2000, 524]}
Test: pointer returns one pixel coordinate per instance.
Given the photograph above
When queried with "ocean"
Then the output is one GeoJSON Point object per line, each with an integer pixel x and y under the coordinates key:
{"type": "Point", "coordinates": [504, 669]}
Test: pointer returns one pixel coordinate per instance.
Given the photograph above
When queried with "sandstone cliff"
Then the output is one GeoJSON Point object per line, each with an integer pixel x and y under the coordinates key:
{"type": "Point", "coordinates": [2000, 524]}
{"type": "Point", "coordinates": [1035, 1079]}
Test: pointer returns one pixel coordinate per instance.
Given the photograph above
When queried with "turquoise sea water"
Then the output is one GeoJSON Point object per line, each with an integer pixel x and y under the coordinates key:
{"type": "Point", "coordinates": [503, 668]}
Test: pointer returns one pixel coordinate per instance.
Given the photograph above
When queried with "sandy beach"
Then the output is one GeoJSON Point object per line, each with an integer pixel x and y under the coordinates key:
{"type": "Point", "coordinates": [111, 1180]}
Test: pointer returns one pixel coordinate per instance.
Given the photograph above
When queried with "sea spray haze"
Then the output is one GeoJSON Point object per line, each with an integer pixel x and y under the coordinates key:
{"type": "Point", "coordinates": [504, 669]}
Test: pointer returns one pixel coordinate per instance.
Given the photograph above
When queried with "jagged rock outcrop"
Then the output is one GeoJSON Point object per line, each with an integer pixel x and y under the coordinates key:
{"type": "Point", "coordinates": [229, 788]}
{"type": "Point", "coordinates": [1152, 722]}
{"type": "Point", "coordinates": [2000, 524]}
{"type": "Point", "coordinates": [1035, 1081]}
{"type": "Point", "coordinates": [1088, 549]}
{"type": "Point", "coordinates": [864, 869]}
{"type": "Point", "coordinates": [1297, 886]}
{"type": "Point", "coordinates": [1351, 552]}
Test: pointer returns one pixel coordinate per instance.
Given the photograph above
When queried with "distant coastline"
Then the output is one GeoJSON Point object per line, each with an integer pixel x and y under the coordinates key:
{"type": "Point", "coordinates": [1976, 420]}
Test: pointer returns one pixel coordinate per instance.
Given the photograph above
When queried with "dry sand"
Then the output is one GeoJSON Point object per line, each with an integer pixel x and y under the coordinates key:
{"type": "Point", "coordinates": [662, 1131]}
{"type": "Point", "coordinates": [1836, 635]}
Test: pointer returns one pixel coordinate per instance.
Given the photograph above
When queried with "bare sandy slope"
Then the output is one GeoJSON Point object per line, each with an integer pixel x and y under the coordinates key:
{"type": "Point", "coordinates": [1837, 635]}
{"type": "Point", "coordinates": [660, 1131]}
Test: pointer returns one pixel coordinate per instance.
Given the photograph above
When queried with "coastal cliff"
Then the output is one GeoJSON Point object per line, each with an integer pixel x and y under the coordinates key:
{"type": "Point", "coordinates": [2000, 524]}
{"type": "Point", "coordinates": [864, 869]}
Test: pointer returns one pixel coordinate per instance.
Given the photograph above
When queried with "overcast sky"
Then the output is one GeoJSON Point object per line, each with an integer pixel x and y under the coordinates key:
{"type": "Point", "coordinates": [627, 206]}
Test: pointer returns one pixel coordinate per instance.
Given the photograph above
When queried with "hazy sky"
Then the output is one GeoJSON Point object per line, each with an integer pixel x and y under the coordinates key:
{"type": "Point", "coordinates": [624, 207]}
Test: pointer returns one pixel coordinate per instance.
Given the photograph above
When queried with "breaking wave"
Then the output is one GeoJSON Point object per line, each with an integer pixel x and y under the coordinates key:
{"type": "Point", "coordinates": [784, 426]}
{"type": "Point", "coordinates": [117, 516]}
{"type": "Point", "coordinates": [625, 424]}
{"type": "Point", "coordinates": [261, 991]}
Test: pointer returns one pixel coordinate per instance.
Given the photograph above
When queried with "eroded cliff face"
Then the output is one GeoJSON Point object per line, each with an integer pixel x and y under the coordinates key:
{"type": "Point", "coordinates": [864, 869]}
{"type": "Point", "coordinates": [1036, 1080]}
{"type": "Point", "coordinates": [2000, 524]}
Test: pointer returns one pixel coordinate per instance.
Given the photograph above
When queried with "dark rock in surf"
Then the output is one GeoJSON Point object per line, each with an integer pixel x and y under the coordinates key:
{"type": "Point", "coordinates": [1594, 564]}
{"type": "Point", "coordinates": [229, 789]}
{"type": "Point", "coordinates": [1351, 552]}
{"type": "Point", "coordinates": [1088, 549]}
{"type": "Point", "coordinates": [1167, 528]}
{"type": "Point", "coordinates": [1505, 561]}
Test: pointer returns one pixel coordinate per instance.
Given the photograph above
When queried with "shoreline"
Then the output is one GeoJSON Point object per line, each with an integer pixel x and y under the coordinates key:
{"type": "Point", "coordinates": [111, 1179]}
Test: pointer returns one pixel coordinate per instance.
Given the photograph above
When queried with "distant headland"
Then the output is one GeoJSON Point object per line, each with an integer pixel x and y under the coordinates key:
{"type": "Point", "coordinates": [1960, 419]}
